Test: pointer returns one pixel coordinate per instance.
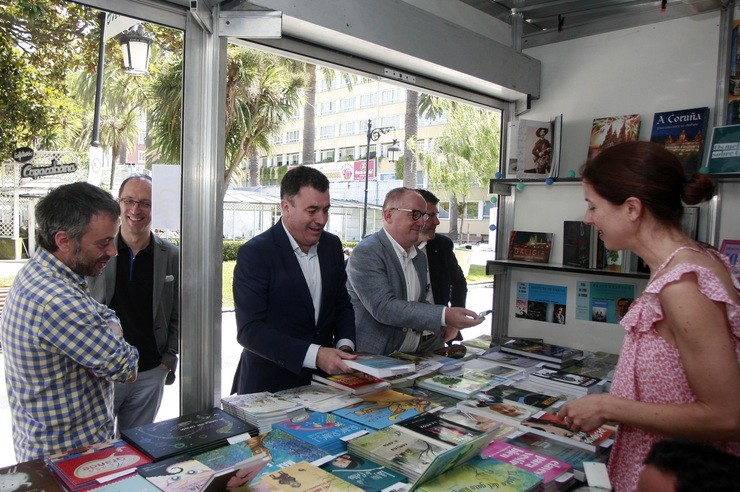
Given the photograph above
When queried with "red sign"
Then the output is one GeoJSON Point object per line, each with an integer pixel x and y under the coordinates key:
{"type": "Point", "coordinates": [360, 170]}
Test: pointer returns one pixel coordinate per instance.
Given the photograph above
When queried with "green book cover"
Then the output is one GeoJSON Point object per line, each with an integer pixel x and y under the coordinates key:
{"type": "Point", "coordinates": [483, 474]}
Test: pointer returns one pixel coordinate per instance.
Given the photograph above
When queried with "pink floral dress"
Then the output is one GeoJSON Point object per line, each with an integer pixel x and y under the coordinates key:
{"type": "Point", "coordinates": [650, 369]}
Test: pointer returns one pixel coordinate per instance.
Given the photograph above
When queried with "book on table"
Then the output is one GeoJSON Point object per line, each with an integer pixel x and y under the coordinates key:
{"type": "Point", "coordinates": [551, 425]}
{"type": "Point", "coordinates": [527, 364]}
{"type": "Point", "coordinates": [302, 476]}
{"type": "Point", "coordinates": [325, 430]}
{"type": "Point", "coordinates": [444, 402]}
{"type": "Point", "coordinates": [191, 434]}
{"type": "Point", "coordinates": [362, 472]}
{"type": "Point", "coordinates": [530, 246]}
{"type": "Point", "coordinates": [261, 409]}
{"type": "Point", "coordinates": [471, 421]}
{"type": "Point", "coordinates": [556, 474]}
{"type": "Point", "coordinates": [356, 382]}
{"type": "Point", "coordinates": [94, 465]}
{"type": "Point", "coordinates": [548, 352]}
{"type": "Point", "coordinates": [501, 372]}
{"type": "Point", "coordinates": [380, 366]}
{"type": "Point", "coordinates": [598, 365]}
{"type": "Point", "coordinates": [34, 475]}
{"type": "Point", "coordinates": [433, 426]}
{"type": "Point", "coordinates": [318, 397]}
{"type": "Point", "coordinates": [559, 380]}
{"type": "Point", "coordinates": [129, 483]}
{"type": "Point", "coordinates": [505, 392]}
{"type": "Point", "coordinates": [481, 473]}
{"type": "Point", "coordinates": [283, 449]}
{"type": "Point", "coordinates": [429, 362]}
{"type": "Point", "coordinates": [507, 412]}
{"type": "Point", "coordinates": [385, 408]}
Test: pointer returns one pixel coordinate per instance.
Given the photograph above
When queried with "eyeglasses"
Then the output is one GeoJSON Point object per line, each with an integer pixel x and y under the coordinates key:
{"type": "Point", "coordinates": [415, 214]}
{"type": "Point", "coordinates": [130, 202]}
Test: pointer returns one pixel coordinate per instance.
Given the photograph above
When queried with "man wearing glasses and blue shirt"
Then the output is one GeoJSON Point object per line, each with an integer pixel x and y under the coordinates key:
{"type": "Point", "coordinates": [387, 282]}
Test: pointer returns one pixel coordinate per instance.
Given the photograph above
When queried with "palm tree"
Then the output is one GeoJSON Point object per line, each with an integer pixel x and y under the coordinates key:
{"type": "Point", "coordinates": [411, 125]}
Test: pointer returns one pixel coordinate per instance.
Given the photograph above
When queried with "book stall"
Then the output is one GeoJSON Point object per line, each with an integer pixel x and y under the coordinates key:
{"type": "Point", "coordinates": [489, 422]}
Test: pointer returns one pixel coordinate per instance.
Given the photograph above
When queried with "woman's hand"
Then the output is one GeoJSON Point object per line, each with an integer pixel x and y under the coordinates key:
{"type": "Point", "coordinates": [585, 414]}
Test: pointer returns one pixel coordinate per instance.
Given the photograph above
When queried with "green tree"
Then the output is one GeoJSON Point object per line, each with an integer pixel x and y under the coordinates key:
{"type": "Point", "coordinates": [411, 125]}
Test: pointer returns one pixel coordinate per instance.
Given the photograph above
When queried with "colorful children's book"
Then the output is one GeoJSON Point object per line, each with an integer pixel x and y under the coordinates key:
{"type": "Point", "coordinates": [95, 465]}
{"type": "Point", "coordinates": [131, 483]}
{"type": "Point", "coordinates": [364, 473]}
{"type": "Point", "coordinates": [325, 430]}
{"type": "Point", "coordinates": [238, 475]}
{"type": "Point", "coordinates": [192, 433]}
{"type": "Point", "coordinates": [550, 425]}
{"type": "Point", "coordinates": [356, 382]}
{"type": "Point", "coordinates": [387, 407]}
{"type": "Point", "coordinates": [302, 476]}
{"type": "Point", "coordinates": [284, 450]}
{"type": "Point", "coordinates": [431, 425]}
{"type": "Point", "coordinates": [32, 475]}
{"type": "Point", "coordinates": [550, 469]}
{"type": "Point", "coordinates": [380, 366]}
{"type": "Point", "coordinates": [180, 473]}
{"type": "Point", "coordinates": [483, 474]}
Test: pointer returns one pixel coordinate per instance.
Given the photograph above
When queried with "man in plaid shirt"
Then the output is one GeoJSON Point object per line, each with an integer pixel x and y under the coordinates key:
{"type": "Point", "coordinates": [63, 350]}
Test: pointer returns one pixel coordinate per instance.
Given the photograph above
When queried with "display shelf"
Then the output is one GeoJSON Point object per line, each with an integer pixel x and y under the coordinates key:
{"type": "Point", "coordinates": [493, 265]}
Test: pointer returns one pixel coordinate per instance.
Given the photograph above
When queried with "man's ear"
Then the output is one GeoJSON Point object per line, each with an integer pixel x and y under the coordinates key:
{"type": "Point", "coordinates": [64, 241]}
{"type": "Point", "coordinates": [634, 208]}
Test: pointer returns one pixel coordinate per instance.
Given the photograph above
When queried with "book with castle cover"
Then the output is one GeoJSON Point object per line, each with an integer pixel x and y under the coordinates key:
{"type": "Point", "coordinates": [483, 474]}
{"type": "Point", "coordinates": [530, 246]}
{"type": "Point", "coordinates": [362, 472]}
{"type": "Point", "coordinates": [612, 130]}
{"type": "Point", "coordinates": [191, 434]}
{"type": "Point", "coordinates": [302, 476]}
{"type": "Point", "coordinates": [385, 408]}
{"type": "Point", "coordinates": [683, 132]}
{"type": "Point", "coordinates": [547, 467]}
{"type": "Point", "coordinates": [94, 465]}
{"type": "Point", "coordinates": [551, 425]}
{"type": "Point", "coordinates": [34, 475]}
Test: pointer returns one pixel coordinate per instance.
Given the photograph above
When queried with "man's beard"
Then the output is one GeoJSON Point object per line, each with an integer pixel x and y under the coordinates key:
{"type": "Point", "coordinates": [83, 267]}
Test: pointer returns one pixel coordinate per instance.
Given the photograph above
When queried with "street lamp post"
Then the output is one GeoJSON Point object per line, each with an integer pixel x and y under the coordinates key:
{"type": "Point", "coordinates": [373, 134]}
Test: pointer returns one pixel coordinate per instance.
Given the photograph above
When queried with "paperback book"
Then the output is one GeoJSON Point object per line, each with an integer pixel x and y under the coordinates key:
{"type": "Point", "coordinates": [433, 426]}
{"type": "Point", "coordinates": [385, 408]}
{"type": "Point", "coordinates": [283, 450]}
{"type": "Point", "coordinates": [483, 474]}
{"type": "Point", "coordinates": [461, 385]}
{"type": "Point", "coordinates": [580, 243]}
{"type": "Point", "coordinates": [130, 483]}
{"type": "Point", "coordinates": [500, 373]}
{"type": "Point", "coordinates": [530, 246]}
{"type": "Point", "coordinates": [94, 465]}
{"type": "Point", "coordinates": [599, 365]}
{"type": "Point", "coordinates": [507, 412]}
{"type": "Point", "coordinates": [551, 426]}
{"type": "Point", "coordinates": [302, 476]}
{"type": "Point", "coordinates": [541, 351]}
{"type": "Point", "coordinates": [533, 148]}
{"type": "Point", "coordinates": [470, 420]}
{"type": "Point", "coordinates": [724, 152]}
{"type": "Point", "coordinates": [683, 132]}
{"type": "Point", "coordinates": [318, 397]}
{"type": "Point", "coordinates": [261, 409]}
{"type": "Point", "coordinates": [32, 475]}
{"type": "Point", "coordinates": [380, 366]}
{"type": "Point", "coordinates": [428, 363]}
{"type": "Point", "coordinates": [568, 382]}
{"type": "Point", "coordinates": [612, 130]}
{"type": "Point", "coordinates": [364, 473]}
{"type": "Point", "coordinates": [556, 474]}
{"type": "Point", "coordinates": [444, 402]}
{"type": "Point", "coordinates": [526, 364]}
{"type": "Point", "coordinates": [191, 434]}
{"type": "Point", "coordinates": [177, 473]}
{"type": "Point", "coordinates": [356, 382]}
{"type": "Point", "coordinates": [325, 430]}
{"type": "Point", "coordinates": [507, 393]}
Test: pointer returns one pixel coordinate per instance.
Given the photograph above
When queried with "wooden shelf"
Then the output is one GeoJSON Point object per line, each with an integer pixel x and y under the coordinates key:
{"type": "Point", "coordinates": [492, 264]}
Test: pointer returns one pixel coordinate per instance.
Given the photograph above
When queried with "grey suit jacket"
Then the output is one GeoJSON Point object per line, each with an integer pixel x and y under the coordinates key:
{"type": "Point", "coordinates": [166, 295]}
{"type": "Point", "coordinates": [377, 288]}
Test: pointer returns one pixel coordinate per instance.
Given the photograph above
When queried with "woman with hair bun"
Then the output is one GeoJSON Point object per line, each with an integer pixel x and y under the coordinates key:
{"type": "Point", "coordinates": [678, 373]}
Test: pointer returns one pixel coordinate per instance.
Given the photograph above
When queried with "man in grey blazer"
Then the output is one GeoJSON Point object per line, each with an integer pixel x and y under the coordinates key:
{"type": "Point", "coordinates": [387, 283]}
{"type": "Point", "coordinates": [141, 285]}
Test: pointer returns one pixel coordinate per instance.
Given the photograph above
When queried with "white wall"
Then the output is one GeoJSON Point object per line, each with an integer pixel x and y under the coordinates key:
{"type": "Point", "coordinates": [665, 66]}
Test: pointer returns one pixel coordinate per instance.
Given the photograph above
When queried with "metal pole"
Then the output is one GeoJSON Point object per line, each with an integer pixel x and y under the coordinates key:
{"type": "Point", "coordinates": [99, 84]}
{"type": "Point", "coordinates": [367, 171]}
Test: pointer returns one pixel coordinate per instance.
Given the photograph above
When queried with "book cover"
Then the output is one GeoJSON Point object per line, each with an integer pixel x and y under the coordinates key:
{"type": "Point", "coordinates": [483, 474]}
{"type": "Point", "coordinates": [457, 385]}
{"type": "Point", "coordinates": [683, 132]}
{"type": "Point", "coordinates": [387, 407]}
{"type": "Point", "coordinates": [525, 363]}
{"type": "Point", "coordinates": [238, 475]}
{"type": "Point", "coordinates": [257, 404]}
{"type": "Point", "coordinates": [530, 246]}
{"type": "Point", "coordinates": [502, 393]}
{"type": "Point", "coordinates": [454, 457]}
{"type": "Point", "coordinates": [380, 366]}
{"type": "Point", "coordinates": [429, 362]}
{"type": "Point", "coordinates": [302, 476]}
{"type": "Point", "coordinates": [362, 472]}
{"type": "Point", "coordinates": [431, 425]}
{"type": "Point", "coordinates": [356, 382]}
{"type": "Point", "coordinates": [598, 365]}
{"type": "Point", "coordinates": [180, 473]}
{"type": "Point", "coordinates": [612, 130]}
{"type": "Point", "coordinates": [561, 451]}
{"type": "Point", "coordinates": [470, 420]}
{"type": "Point", "coordinates": [566, 380]}
{"type": "Point", "coordinates": [192, 433]}
{"type": "Point", "coordinates": [731, 249]}
{"type": "Point", "coordinates": [547, 467]}
{"type": "Point", "coordinates": [320, 429]}
{"type": "Point", "coordinates": [540, 350]}
{"type": "Point", "coordinates": [442, 401]}
{"type": "Point", "coordinates": [508, 412]}
{"type": "Point", "coordinates": [96, 464]}
{"type": "Point", "coordinates": [550, 425]}
{"type": "Point", "coordinates": [32, 476]}
{"type": "Point", "coordinates": [312, 395]}
{"type": "Point", "coordinates": [533, 148]}
{"type": "Point", "coordinates": [132, 483]}
{"type": "Point", "coordinates": [724, 152]}
{"type": "Point", "coordinates": [284, 449]}
{"type": "Point", "coordinates": [577, 243]}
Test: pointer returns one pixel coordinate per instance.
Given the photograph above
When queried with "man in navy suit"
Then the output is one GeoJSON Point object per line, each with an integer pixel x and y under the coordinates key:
{"type": "Point", "coordinates": [447, 280]}
{"type": "Point", "coordinates": [293, 313]}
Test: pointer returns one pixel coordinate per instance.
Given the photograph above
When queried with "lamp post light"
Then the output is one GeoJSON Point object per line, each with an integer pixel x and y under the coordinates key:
{"type": "Point", "coordinates": [373, 134]}
{"type": "Point", "coordinates": [135, 46]}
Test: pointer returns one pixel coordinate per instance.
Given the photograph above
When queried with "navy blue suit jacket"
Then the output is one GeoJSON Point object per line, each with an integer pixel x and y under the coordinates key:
{"type": "Point", "coordinates": [275, 314]}
{"type": "Point", "coordinates": [449, 286]}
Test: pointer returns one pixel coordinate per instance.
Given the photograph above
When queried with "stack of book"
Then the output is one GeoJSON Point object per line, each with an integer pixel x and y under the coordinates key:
{"type": "Point", "coordinates": [327, 431]}
{"type": "Point", "coordinates": [95, 465]}
{"type": "Point", "coordinates": [385, 408]}
{"type": "Point", "coordinates": [192, 433]}
{"type": "Point", "coordinates": [526, 364]}
{"type": "Point", "coordinates": [525, 394]}
{"type": "Point", "coordinates": [552, 426]}
{"type": "Point", "coordinates": [479, 345]}
{"type": "Point", "coordinates": [599, 365]}
{"type": "Point", "coordinates": [460, 385]}
{"type": "Point", "coordinates": [502, 372]}
{"type": "Point", "coordinates": [567, 382]}
{"type": "Point", "coordinates": [364, 473]}
{"type": "Point", "coordinates": [556, 474]}
{"type": "Point", "coordinates": [318, 397]}
{"type": "Point", "coordinates": [261, 409]}
{"type": "Point", "coordinates": [547, 352]}
{"type": "Point", "coordinates": [356, 382]}
{"type": "Point", "coordinates": [380, 366]}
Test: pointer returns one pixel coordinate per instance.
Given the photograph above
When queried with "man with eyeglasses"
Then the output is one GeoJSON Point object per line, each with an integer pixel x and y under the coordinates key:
{"type": "Point", "coordinates": [141, 285]}
{"type": "Point", "coordinates": [388, 285]}
{"type": "Point", "coordinates": [447, 280]}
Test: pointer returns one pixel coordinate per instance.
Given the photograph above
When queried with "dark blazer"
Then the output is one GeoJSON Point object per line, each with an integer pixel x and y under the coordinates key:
{"type": "Point", "coordinates": [448, 281]}
{"type": "Point", "coordinates": [165, 301]}
{"type": "Point", "coordinates": [275, 314]}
